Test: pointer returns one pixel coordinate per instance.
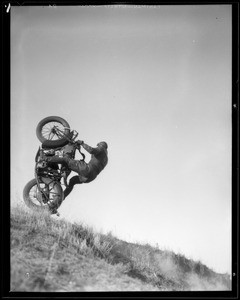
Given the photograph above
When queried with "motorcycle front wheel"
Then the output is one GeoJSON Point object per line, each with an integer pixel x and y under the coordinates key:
{"type": "Point", "coordinates": [37, 200]}
{"type": "Point", "coordinates": [53, 132]}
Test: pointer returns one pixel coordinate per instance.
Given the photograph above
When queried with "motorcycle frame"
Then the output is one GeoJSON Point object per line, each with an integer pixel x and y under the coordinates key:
{"type": "Point", "coordinates": [55, 178]}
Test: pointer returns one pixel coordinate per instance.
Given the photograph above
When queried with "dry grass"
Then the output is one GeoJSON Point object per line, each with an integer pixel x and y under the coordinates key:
{"type": "Point", "coordinates": [55, 255]}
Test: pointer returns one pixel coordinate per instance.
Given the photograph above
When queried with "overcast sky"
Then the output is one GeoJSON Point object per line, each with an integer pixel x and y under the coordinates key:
{"type": "Point", "coordinates": [155, 84]}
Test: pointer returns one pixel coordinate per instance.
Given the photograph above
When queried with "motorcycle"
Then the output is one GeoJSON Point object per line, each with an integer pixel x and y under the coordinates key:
{"type": "Point", "coordinates": [45, 191]}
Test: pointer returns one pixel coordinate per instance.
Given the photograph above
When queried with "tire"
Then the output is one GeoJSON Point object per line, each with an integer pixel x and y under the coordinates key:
{"type": "Point", "coordinates": [48, 137]}
{"type": "Point", "coordinates": [31, 194]}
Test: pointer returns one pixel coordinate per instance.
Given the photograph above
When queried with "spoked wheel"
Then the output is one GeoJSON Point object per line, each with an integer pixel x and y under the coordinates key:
{"type": "Point", "coordinates": [53, 132]}
{"type": "Point", "coordinates": [37, 200]}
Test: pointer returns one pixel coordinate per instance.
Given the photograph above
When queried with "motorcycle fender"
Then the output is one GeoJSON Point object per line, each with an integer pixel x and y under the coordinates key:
{"type": "Point", "coordinates": [37, 155]}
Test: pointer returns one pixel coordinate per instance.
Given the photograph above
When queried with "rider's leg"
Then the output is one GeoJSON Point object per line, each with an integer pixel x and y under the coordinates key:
{"type": "Point", "coordinates": [74, 180]}
{"type": "Point", "coordinates": [80, 167]}
{"type": "Point", "coordinates": [56, 159]}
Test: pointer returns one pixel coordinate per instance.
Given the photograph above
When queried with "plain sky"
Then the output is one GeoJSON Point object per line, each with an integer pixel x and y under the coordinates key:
{"type": "Point", "coordinates": [154, 82]}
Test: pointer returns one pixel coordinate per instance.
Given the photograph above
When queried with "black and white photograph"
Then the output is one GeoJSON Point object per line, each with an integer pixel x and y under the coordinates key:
{"type": "Point", "coordinates": [121, 148]}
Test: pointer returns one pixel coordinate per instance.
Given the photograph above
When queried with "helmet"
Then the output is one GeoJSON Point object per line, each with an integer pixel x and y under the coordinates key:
{"type": "Point", "coordinates": [103, 144]}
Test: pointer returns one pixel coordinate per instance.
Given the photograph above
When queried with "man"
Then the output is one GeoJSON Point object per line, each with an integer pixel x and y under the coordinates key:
{"type": "Point", "coordinates": [87, 172]}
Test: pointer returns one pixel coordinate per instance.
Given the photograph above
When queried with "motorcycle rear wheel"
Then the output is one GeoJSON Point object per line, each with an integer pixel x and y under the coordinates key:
{"type": "Point", "coordinates": [53, 132]}
{"type": "Point", "coordinates": [35, 200]}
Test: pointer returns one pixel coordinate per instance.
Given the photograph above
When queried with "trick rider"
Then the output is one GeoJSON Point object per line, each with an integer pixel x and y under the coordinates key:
{"type": "Point", "coordinates": [87, 172]}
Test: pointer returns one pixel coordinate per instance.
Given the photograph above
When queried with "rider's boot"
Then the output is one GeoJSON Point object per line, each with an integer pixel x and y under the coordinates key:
{"type": "Point", "coordinates": [54, 204]}
{"type": "Point", "coordinates": [54, 212]}
{"type": "Point", "coordinates": [52, 208]}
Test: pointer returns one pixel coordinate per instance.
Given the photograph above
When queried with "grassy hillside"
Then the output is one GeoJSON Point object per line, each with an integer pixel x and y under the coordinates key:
{"type": "Point", "coordinates": [54, 255]}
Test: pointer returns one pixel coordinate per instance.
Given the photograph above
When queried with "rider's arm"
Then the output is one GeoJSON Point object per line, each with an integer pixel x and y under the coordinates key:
{"type": "Point", "coordinates": [90, 149]}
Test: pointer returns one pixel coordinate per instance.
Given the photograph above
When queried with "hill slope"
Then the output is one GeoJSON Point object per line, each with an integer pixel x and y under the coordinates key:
{"type": "Point", "coordinates": [54, 255]}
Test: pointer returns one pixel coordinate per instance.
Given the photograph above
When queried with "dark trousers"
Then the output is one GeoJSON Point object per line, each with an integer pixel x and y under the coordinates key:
{"type": "Point", "coordinates": [74, 180]}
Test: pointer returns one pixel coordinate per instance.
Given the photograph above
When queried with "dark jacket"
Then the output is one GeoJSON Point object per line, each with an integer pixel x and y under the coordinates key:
{"type": "Point", "coordinates": [98, 161]}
